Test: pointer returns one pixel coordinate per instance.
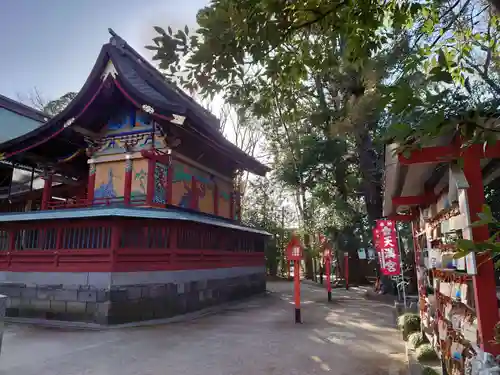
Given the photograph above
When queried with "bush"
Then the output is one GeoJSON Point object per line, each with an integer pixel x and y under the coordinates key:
{"type": "Point", "coordinates": [409, 323]}
{"type": "Point", "coordinates": [416, 339]}
{"type": "Point", "coordinates": [429, 371]}
{"type": "Point", "coordinates": [426, 353]}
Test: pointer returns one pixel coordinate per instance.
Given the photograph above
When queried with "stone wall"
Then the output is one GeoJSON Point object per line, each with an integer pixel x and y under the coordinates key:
{"type": "Point", "coordinates": [130, 297]}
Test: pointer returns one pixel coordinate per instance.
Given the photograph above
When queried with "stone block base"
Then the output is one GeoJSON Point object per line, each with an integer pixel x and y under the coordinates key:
{"type": "Point", "coordinates": [118, 304]}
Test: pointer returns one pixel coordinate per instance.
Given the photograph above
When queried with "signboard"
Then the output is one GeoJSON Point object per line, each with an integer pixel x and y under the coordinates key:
{"type": "Point", "coordinates": [470, 259]}
{"type": "Point", "coordinates": [294, 250]}
{"type": "Point", "coordinates": [327, 251]}
{"type": "Point", "coordinates": [387, 244]}
{"type": "Point", "coordinates": [377, 249]}
{"type": "Point", "coordinates": [361, 253]}
{"type": "Point", "coordinates": [371, 253]}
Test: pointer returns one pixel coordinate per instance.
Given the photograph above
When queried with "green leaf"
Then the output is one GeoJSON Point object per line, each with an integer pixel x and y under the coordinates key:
{"type": "Point", "coordinates": [497, 264]}
{"type": "Point", "coordinates": [186, 30]}
{"type": "Point", "coordinates": [443, 61]}
{"type": "Point", "coordinates": [169, 31]}
{"type": "Point", "coordinates": [461, 254]}
{"type": "Point", "coordinates": [160, 30]}
{"type": "Point", "coordinates": [442, 76]}
{"type": "Point", "coordinates": [466, 245]}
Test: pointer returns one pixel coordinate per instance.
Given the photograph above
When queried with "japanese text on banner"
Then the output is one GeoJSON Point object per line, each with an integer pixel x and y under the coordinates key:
{"type": "Point", "coordinates": [388, 247]}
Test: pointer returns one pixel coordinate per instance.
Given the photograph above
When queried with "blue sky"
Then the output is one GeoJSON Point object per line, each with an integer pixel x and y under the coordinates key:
{"type": "Point", "coordinates": [52, 44]}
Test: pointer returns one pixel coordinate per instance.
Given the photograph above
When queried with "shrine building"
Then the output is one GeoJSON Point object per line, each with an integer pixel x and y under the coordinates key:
{"type": "Point", "coordinates": [124, 206]}
{"type": "Point", "coordinates": [439, 189]}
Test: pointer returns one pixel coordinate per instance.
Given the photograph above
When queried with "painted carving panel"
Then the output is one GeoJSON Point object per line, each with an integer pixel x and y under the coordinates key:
{"type": "Point", "coordinates": [225, 189]}
{"type": "Point", "coordinates": [109, 180]}
{"type": "Point", "coordinates": [182, 189]}
{"type": "Point", "coordinates": [139, 178]}
{"type": "Point", "coordinates": [129, 128]}
{"type": "Point", "coordinates": [160, 193]}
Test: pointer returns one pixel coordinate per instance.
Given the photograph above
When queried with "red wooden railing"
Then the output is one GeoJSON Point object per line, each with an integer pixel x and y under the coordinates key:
{"type": "Point", "coordinates": [83, 202]}
{"type": "Point", "coordinates": [125, 245]}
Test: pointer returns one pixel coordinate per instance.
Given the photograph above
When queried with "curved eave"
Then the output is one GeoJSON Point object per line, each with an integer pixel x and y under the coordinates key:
{"type": "Point", "coordinates": [74, 107]}
{"type": "Point", "coordinates": [166, 109]}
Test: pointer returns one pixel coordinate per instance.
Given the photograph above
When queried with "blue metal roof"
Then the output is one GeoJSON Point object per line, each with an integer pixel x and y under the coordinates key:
{"type": "Point", "coordinates": [13, 125]}
{"type": "Point", "coordinates": [143, 213]}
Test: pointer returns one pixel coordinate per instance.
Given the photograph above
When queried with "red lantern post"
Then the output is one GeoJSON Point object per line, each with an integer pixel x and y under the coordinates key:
{"type": "Point", "coordinates": [346, 270]}
{"type": "Point", "coordinates": [327, 255]}
{"type": "Point", "coordinates": [294, 252]}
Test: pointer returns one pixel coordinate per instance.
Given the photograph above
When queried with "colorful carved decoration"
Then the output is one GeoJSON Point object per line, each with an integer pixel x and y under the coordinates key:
{"type": "Point", "coordinates": [142, 178]}
{"type": "Point", "coordinates": [106, 190]}
{"type": "Point", "coordinates": [161, 172]}
{"type": "Point", "coordinates": [130, 131]}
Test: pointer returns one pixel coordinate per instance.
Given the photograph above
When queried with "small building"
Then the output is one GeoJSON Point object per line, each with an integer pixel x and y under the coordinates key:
{"type": "Point", "coordinates": [138, 217]}
{"type": "Point", "coordinates": [441, 197]}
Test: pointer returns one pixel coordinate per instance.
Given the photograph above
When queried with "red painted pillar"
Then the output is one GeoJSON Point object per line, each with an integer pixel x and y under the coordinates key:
{"type": "Point", "coordinates": [150, 189]}
{"type": "Point", "coordinates": [127, 190]}
{"type": "Point", "coordinates": [193, 203]}
{"type": "Point", "coordinates": [169, 186]}
{"type": "Point", "coordinates": [296, 289]}
{"type": "Point", "coordinates": [346, 270]}
{"type": "Point", "coordinates": [484, 282]}
{"type": "Point", "coordinates": [116, 232]}
{"type": "Point", "coordinates": [328, 266]}
{"type": "Point", "coordinates": [231, 206]}
{"type": "Point", "coordinates": [47, 190]}
{"type": "Point", "coordinates": [91, 184]}
{"type": "Point", "coordinates": [216, 199]}
{"type": "Point", "coordinates": [238, 206]}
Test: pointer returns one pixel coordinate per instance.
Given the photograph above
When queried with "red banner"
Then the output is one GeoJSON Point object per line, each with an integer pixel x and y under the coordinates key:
{"type": "Point", "coordinates": [377, 249]}
{"type": "Point", "coordinates": [387, 247]}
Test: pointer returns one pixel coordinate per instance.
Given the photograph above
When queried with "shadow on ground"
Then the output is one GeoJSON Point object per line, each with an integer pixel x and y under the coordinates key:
{"type": "Point", "coordinates": [258, 336]}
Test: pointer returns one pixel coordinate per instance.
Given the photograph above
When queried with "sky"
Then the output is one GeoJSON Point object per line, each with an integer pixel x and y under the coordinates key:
{"type": "Point", "coordinates": [51, 45]}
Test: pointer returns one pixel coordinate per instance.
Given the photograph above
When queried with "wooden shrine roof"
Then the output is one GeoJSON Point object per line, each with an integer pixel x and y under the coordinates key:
{"type": "Point", "coordinates": [122, 72]}
{"type": "Point", "coordinates": [415, 180]}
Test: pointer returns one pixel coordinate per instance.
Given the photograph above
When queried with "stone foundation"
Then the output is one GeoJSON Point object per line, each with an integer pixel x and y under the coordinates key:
{"type": "Point", "coordinates": [129, 297]}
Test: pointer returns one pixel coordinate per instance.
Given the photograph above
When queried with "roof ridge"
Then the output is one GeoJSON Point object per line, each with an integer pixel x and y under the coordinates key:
{"type": "Point", "coordinates": [124, 47]}
{"type": "Point", "coordinates": [23, 109]}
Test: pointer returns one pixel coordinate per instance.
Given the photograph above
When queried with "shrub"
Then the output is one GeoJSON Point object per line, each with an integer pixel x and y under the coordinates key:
{"type": "Point", "coordinates": [409, 323]}
{"type": "Point", "coordinates": [429, 371]}
{"type": "Point", "coordinates": [416, 339]}
{"type": "Point", "coordinates": [425, 353]}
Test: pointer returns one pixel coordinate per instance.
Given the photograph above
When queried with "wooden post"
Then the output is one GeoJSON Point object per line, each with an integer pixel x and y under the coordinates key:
{"type": "Point", "coordinates": [294, 251]}
{"type": "Point", "coordinates": [484, 282]}
{"type": "Point", "coordinates": [91, 183]}
{"type": "Point", "coordinates": [296, 289]}
{"type": "Point", "coordinates": [328, 266]}
{"type": "Point", "coordinates": [170, 183]}
{"type": "Point", "coordinates": [150, 188]}
{"type": "Point", "coordinates": [231, 205]}
{"type": "Point", "coordinates": [47, 190]}
{"type": "Point", "coordinates": [193, 203]}
{"type": "Point", "coordinates": [216, 198]}
{"type": "Point", "coordinates": [116, 231]}
{"type": "Point", "coordinates": [127, 190]}
{"type": "Point", "coordinates": [238, 206]}
{"type": "Point", "coordinates": [346, 270]}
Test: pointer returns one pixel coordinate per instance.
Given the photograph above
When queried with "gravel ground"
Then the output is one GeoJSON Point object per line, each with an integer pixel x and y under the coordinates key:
{"type": "Point", "coordinates": [349, 336]}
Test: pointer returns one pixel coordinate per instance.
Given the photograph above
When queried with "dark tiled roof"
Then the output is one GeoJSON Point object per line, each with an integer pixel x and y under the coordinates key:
{"type": "Point", "coordinates": [149, 86]}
